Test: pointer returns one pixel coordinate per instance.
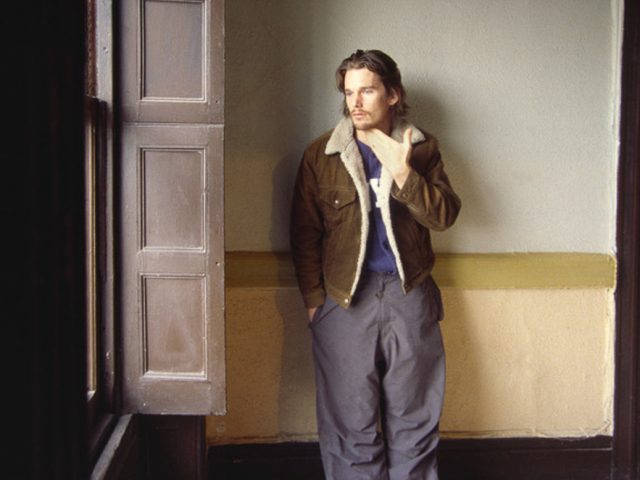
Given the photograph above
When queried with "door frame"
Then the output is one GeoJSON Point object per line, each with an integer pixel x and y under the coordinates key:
{"type": "Point", "coordinates": [627, 297]}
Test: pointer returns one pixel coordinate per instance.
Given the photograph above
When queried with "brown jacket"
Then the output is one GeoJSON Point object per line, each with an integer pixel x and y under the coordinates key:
{"type": "Point", "coordinates": [330, 221]}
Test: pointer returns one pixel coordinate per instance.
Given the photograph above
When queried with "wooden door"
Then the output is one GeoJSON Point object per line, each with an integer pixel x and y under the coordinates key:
{"type": "Point", "coordinates": [171, 206]}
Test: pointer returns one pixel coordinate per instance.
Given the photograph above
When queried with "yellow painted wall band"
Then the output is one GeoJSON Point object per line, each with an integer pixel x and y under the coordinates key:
{"type": "Point", "coordinates": [471, 271]}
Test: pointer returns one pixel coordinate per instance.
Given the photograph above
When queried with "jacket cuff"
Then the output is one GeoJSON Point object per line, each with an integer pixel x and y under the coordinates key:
{"type": "Point", "coordinates": [408, 190]}
{"type": "Point", "coordinates": [314, 299]}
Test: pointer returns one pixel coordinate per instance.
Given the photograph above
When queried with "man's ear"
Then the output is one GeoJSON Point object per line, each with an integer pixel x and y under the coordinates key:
{"type": "Point", "coordinates": [393, 97]}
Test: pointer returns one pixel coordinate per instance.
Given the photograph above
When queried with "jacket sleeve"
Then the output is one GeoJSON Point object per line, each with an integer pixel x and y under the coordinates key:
{"type": "Point", "coordinates": [306, 234]}
{"type": "Point", "coordinates": [427, 192]}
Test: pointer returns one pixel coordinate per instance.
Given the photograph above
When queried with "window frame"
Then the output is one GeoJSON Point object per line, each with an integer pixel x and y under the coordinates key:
{"type": "Point", "coordinates": [103, 406]}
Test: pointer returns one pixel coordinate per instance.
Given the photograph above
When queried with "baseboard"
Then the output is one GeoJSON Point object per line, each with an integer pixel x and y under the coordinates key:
{"type": "Point", "coordinates": [120, 458]}
{"type": "Point", "coordinates": [526, 459]}
{"type": "Point", "coordinates": [279, 461]}
{"type": "Point", "coordinates": [477, 459]}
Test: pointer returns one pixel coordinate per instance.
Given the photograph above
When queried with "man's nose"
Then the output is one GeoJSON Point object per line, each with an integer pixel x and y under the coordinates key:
{"type": "Point", "coordinates": [358, 100]}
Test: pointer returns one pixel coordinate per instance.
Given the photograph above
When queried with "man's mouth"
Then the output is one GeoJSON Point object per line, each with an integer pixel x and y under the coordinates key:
{"type": "Point", "coordinates": [358, 113]}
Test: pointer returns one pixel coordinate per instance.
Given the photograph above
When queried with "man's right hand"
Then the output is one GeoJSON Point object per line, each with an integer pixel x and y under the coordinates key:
{"type": "Point", "coordinates": [311, 312]}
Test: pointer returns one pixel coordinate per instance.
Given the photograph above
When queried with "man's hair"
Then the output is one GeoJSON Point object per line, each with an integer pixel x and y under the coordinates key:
{"type": "Point", "coordinates": [382, 64]}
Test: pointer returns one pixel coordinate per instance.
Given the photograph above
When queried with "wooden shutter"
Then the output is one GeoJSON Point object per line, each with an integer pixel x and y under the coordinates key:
{"type": "Point", "coordinates": [171, 206]}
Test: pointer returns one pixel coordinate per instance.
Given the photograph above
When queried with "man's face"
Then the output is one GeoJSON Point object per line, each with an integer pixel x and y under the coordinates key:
{"type": "Point", "coordinates": [368, 101]}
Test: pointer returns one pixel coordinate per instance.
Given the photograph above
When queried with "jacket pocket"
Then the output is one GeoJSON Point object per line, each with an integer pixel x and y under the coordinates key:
{"type": "Point", "coordinates": [337, 205]}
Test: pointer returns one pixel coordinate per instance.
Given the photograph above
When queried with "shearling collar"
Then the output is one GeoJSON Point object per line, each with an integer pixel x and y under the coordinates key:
{"type": "Point", "coordinates": [343, 135]}
{"type": "Point", "coordinates": [343, 141]}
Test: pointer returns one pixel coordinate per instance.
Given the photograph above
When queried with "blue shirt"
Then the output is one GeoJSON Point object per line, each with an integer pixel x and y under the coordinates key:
{"type": "Point", "coordinates": [379, 256]}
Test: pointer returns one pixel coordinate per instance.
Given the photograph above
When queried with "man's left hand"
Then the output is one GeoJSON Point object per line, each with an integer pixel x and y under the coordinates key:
{"type": "Point", "coordinates": [393, 155]}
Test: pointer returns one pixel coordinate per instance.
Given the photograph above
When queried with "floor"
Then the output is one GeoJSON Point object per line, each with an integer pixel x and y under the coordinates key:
{"type": "Point", "coordinates": [479, 459]}
{"type": "Point", "coordinates": [265, 462]}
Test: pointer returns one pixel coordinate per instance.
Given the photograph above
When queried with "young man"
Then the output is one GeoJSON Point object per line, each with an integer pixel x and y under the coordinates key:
{"type": "Point", "coordinates": [366, 196]}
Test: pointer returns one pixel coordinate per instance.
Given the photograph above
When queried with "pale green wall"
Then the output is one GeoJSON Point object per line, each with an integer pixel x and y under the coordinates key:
{"type": "Point", "coordinates": [522, 95]}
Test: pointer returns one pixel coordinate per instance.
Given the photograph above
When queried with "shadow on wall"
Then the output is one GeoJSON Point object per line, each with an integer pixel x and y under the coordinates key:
{"type": "Point", "coordinates": [282, 178]}
{"type": "Point", "coordinates": [269, 105]}
{"type": "Point", "coordinates": [428, 113]}
{"type": "Point", "coordinates": [296, 402]}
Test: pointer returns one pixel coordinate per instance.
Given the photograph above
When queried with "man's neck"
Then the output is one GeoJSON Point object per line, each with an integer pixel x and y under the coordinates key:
{"type": "Point", "coordinates": [362, 134]}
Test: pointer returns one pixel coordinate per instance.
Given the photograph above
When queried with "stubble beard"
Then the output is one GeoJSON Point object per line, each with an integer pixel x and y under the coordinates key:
{"type": "Point", "coordinates": [361, 124]}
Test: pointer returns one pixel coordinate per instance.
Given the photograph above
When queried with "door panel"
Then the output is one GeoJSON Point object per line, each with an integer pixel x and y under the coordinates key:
{"type": "Point", "coordinates": [173, 204]}
{"type": "Point", "coordinates": [172, 271]}
{"type": "Point", "coordinates": [173, 61]}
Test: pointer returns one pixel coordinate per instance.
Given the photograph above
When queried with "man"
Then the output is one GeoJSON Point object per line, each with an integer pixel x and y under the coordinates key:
{"type": "Point", "coordinates": [366, 196]}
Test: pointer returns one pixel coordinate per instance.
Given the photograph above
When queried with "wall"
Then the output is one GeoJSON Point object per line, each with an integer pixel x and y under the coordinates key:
{"type": "Point", "coordinates": [524, 99]}
{"type": "Point", "coordinates": [522, 96]}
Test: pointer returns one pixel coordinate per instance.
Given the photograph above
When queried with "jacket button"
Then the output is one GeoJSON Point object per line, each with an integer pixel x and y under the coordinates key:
{"type": "Point", "coordinates": [346, 300]}
{"type": "Point", "coordinates": [336, 201]}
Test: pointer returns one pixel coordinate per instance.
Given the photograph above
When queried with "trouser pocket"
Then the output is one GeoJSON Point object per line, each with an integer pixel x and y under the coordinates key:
{"type": "Point", "coordinates": [323, 311]}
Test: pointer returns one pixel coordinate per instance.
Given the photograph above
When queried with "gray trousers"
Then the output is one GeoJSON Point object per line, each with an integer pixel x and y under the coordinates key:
{"type": "Point", "coordinates": [380, 375]}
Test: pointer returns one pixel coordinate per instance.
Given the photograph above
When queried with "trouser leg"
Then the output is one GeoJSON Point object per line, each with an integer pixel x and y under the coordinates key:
{"type": "Point", "coordinates": [345, 347]}
{"type": "Point", "coordinates": [385, 348]}
{"type": "Point", "coordinates": [413, 382]}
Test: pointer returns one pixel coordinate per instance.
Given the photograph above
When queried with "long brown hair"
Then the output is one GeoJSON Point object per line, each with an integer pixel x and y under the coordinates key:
{"type": "Point", "coordinates": [382, 64]}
